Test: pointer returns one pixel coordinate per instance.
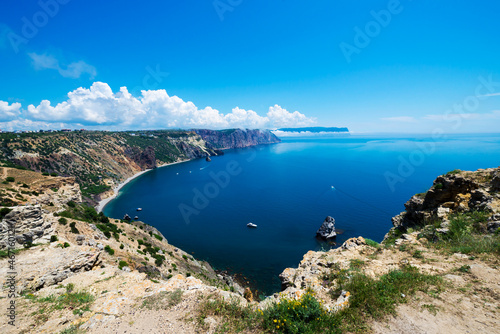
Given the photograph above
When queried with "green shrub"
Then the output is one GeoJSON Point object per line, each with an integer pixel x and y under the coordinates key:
{"type": "Point", "coordinates": [53, 174]}
{"type": "Point", "coordinates": [122, 264]}
{"type": "Point", "coordinates": [109, 250]}
{"type": "Point", "coordinates": [438, 186]}
{"type": "Point", "coordinates": [74, 230]}
{"type": "Point", "coordinates": [66, 245]}
{"type": "Point", "coordinates": [372, 243]}
{"type": "Point", "coordinates": [158, 237]}
{"type": "Point", "coordinates": [122, 246]}
{"type": "Point", "coordinates": [54, 238]}
{"type": "Point", "coordinates": [63, 221]}
{"type": "Point", "coordinates": [418, 254]}
{"type": "Point", "coordinates": [71, 204]}
{"type": "Point", "coordinates": [10, 179]}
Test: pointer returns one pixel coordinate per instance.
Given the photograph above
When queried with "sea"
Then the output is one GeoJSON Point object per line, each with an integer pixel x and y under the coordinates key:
{"type": "Point", "coordinates": [287, 190]}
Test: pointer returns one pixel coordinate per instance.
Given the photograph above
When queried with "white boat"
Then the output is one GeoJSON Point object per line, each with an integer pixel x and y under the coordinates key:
{"type": "Point", "coordinates": [251, 225]}
{"type": "Point", "coordinates": [139, 209]}
{"type": "Point", "coordinates": [136, 217]}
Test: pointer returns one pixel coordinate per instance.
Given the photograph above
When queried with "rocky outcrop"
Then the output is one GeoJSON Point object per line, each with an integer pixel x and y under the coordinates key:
{"type": "Point", "coordinates": [454, 192]}
{"type": "Point", "coordinates": [29, 224]}
{"type": "Point", "coordinates": [83, 261]}
{"type": "Point", "coordinates": [327, 229]}
{"type": "Point", "coordinates": [237, 138]}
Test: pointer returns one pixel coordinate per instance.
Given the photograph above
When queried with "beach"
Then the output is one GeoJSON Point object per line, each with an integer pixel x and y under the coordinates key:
{"type": "Point", "coordinates": [116, 190]}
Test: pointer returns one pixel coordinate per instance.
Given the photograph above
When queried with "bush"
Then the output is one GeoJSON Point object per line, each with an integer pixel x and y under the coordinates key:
{"type": "Point", "coordinates": [63, 221]}
{"type": "Point", "coordinates": [304, 315]}
{"type": "Point", "coordinates": [53, 174]}
{"type": "Point", "coordinates": [122, 246]}
{"type": "Point", "coordinates": [10, 179]}
{"type": "Point", "coordinates": [54, 238]}
{"type": "Point", "coordinates": [122, 264]}
{"type": "Point", "coordinates": [71, 204]}
{"type": "Point", "coordinates": [372, 243]}
{"type": "Point", "coordinates": [66, 245]}
{"type": "Point", "coordinates": [158, 237]}
{"type": "Point", "coordinates": [73, 228]}
{"type": "Point", "coordinates": [438, 186]}
{"type": "Point", "coordinates": [109, 250]}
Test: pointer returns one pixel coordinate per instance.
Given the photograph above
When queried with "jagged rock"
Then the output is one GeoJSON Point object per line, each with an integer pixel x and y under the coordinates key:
{"type": "Point", "coordinates": [495, 182]}
{"type": "Point", "coordinates": [327, 229]}
{"type": "Point", "coordinates": [248, 295]}
{"type": "Point", "coordinates": [98, 235]}
{"type": "Point", "coordinates": [353, 242]}
{"type": "Point", "coordinates": [126, 269]}
{"type": "Point", "coordinates": [127, 217]}
{"type": "Point", "coordinates": [493, 224]}
{"type": "Point", "coordinates": [80, 239]}
{"type": "Point", "coordinates": [30, 226]}
{"type": "Point", "coordinates": [84, 261]}
{"type": "Point", "coordinates": [150, 270]}
{"type": "Point", "coordinates": [480, 199]}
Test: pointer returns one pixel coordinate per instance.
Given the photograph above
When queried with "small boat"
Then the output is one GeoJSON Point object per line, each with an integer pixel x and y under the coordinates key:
{"type": "Point", "coordinates": [136, 217]}
{"type": "Point", "coordinates": [139, 209]}
{"type": "Point", "coordinates": [251, 225]}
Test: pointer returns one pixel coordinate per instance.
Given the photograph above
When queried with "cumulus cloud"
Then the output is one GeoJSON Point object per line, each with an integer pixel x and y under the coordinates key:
{"type": "Point", "coordinates": [9, 112]}
{"type": "Point", "coordinates": [73, 70]}
{"type": "Point", "coordinates": [98, 106]}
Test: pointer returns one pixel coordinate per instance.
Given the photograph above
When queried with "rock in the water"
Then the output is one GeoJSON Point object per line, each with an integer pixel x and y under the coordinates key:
{"type": "Point", "coordinates": [327, 229]}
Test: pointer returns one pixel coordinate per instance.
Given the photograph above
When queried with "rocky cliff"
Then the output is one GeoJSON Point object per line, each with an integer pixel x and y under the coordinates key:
{"type": "Point", "coordinates": [237, 138]}
{"type": "Point", "coordinates": [455, 192]}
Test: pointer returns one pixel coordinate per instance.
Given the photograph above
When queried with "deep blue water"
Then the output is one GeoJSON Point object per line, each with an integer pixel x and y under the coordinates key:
{"type": "Point", "coordinates": [286, 189]}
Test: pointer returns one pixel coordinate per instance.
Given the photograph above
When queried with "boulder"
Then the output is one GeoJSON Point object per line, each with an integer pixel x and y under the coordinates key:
{"type": "Point", "coordinates": [30, 226]}
{"type": "Point", "coordinates": [327, 229]}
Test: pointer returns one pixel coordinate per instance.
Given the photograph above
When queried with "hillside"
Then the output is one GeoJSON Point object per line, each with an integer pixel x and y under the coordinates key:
{"type": "Point", "coordinates": [99, 160]}
{"type": "Point", "coordinates": [78, 271]}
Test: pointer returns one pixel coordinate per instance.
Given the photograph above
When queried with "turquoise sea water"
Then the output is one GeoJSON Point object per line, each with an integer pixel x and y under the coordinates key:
{"type": "Point", "coordinates": [288, 189]}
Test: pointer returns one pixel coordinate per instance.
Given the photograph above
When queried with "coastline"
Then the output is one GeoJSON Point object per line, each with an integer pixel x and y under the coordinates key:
{"type": "Point", "coordinates": [102, 203]}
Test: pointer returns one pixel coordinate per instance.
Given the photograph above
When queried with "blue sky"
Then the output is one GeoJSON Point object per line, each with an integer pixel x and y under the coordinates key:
{"type": "Point", "coordinates": [241, 63]}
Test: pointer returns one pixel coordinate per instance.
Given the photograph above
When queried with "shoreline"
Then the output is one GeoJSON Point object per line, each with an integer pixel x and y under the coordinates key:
{"type": "Point", "coordinates": [102, 203]}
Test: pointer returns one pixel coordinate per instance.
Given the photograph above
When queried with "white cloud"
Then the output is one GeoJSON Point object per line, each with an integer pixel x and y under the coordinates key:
{"type": "Point", "coordinates": [98, 107]}
{"type": "Point", "coordinates": [7, 112]}
{"type": "Point", "coordinates": [404, 119]}
{"type": "Point", "coordinates": [73, 70]}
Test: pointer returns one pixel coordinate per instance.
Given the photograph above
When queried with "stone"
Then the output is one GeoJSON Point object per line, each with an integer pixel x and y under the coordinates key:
{"type": "Point", "coordinates": [327, 229]}
{"type": "Point", "coordinates": [80, 239]}
{"type": "Point", "coordinates": [29, 224]}
{"type": "Point", "coordinates": [248, 295]}
{"type": "Point", "coordinates": [353, 242]}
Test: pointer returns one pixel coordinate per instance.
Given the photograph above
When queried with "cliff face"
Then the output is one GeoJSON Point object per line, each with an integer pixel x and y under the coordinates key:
{"type": "Point", "coordinates": [237, 138]}
{"type": "Point", "coordinates": [457, 191]}
{"type": "Point", "coordinates": [100, 160]}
